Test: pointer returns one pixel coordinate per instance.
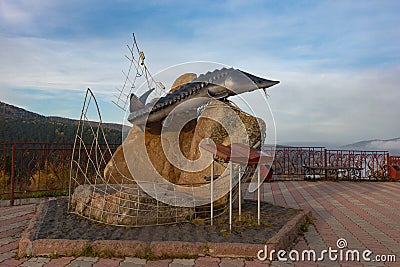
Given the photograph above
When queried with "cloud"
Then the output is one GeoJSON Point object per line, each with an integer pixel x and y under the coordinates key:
{"type": "Point", "coordinates": [385, 145]}
{"type": "Point", "coordinates": [57, 65]}
{"type": "Point", "coordinates": [337, 61]}
{"type": "Point", "coordinates": [24, 17]}
{"type": "Point", "coordinates": [342, 106]}
{"type": "Point", "coordinates": [12, 14]}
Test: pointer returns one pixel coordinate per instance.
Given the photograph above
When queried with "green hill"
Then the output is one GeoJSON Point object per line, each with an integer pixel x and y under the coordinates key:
{"type": "Point", "coordinates": [20, 125]}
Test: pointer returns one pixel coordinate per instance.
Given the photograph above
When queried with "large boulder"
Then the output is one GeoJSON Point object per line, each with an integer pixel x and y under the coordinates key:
{"type": "Point", "coordinates": [117, 171]}
{"type": "Point", "coordinates": [182, 80]}
{"type": "Point", "coordinates": [216, 119]}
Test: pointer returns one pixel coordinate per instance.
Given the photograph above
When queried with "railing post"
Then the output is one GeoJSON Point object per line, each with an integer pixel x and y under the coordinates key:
{"type": "Point", "coordinates": [388, 164]}
{"type": "Point", "coordinates": [326, 161]}
{"type": "Point", "coordinates": [12, 175]}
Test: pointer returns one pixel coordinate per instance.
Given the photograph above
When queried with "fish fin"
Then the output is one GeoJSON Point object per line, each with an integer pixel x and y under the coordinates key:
{"type": "Point", "coordinates": [135, 103]}
{"type": "Point", "coordinates": [143, 98]}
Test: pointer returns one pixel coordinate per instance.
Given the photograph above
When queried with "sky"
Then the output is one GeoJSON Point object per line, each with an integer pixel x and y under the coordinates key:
{"type": "Point", "coordinates": [338, 61]}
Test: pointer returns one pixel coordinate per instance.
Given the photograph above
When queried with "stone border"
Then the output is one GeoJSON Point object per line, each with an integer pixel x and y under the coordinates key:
{"type": "Point", "coordinates": [28, 246]}
{"type": "Point", "coordinates": [25, 244]}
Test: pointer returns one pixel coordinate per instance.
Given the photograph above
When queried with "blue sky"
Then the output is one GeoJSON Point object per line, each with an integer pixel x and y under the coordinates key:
{"type": "Point", "coordinates": [338, 61]}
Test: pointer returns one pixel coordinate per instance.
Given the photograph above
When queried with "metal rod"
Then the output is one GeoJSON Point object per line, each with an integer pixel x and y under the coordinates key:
{"type": "Point", "coordinates": [258, 195]}
{"type": "Point", "coordinates": [240, 193]}
{"type": "Point", "coordinates": [212, 191]}
{"type": "Point", "coordinates": [325, 162]}
{"type": "Point", "coordinates": [230, 194]}
{"type": "Point", "coordinates": [12, 175]}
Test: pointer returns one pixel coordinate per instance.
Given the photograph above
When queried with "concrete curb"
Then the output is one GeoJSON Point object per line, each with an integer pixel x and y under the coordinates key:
{"type": "Point", "coordinates": [25, 246]}
{"type": "Point", "coordinates": [289, 232]}
{"type": "Point", "coordinates": [28, 246]}
{"type": "Point", "coordinates": [21, 201]}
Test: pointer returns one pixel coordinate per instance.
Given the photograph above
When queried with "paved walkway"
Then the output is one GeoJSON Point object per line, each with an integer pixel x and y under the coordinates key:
{"type": "Point", "coordinates": [366, 215]}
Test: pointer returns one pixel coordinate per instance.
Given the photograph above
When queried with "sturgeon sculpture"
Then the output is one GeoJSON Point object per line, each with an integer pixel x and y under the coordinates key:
{"type": "Point", "coordinates": [218, 84]}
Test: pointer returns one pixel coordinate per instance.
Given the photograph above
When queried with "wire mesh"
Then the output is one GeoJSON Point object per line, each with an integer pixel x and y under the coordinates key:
{"type": "Point", "coordinates": [137, 70]}
{"type": "Point", "coordinates": [92, 196]}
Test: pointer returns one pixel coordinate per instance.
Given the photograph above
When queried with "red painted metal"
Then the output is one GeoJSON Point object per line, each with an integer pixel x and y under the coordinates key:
{"type": "Point", "coordinates": [36, 167]}
{"type": "Point", "coordinates": [394, 167]}
{"type": "Point", "coordinates": [242, 154]}
{"type": "Point", "coordinates": [12, 177]}
{"type": "Point", "coordinates": [289, 161]}
{"type": "Point", "coordinates": [374, 164]}
{"type": "Point", "coordinates": [238, 153]}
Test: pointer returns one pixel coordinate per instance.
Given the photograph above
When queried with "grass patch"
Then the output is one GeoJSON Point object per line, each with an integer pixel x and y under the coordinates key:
{"type": "Point", "coordinates": [54, 256]}
{"type": "Point", "coordinates": [304, 227]}
{"type": "Point", "coordinates": [37, 194]}
{"type": "Point", "coordinates": [198, 221]}
{"type": "Point", "coordinates": [225, 232]}
{"type": "Point", "coordinates": [248, 220]}
{"type": "Point", "coordinates": [151, 257]}
{"type": "Point", "coordinates": [86, 252]}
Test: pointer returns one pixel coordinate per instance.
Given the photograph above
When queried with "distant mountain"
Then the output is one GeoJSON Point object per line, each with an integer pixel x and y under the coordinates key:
{"type": "Point", "coordinates": [391, 145]}
{"type": "Point", "coordinates": [20, 125]}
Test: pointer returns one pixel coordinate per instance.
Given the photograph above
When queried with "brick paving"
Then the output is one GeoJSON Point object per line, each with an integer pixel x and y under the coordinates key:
{"type": "Point", "coordinates": [365, 214]}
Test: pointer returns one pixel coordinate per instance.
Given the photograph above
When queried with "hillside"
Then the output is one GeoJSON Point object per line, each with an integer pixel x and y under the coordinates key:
{"type": "Point", "coordinates": [391, 145]}
{"type": "Point", "coordinates": [20, 125]}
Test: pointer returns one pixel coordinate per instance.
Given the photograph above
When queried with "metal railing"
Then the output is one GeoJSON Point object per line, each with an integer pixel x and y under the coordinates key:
{"type": "Point", "coordinates": [289, 161]}
{"type": "Point", "coordinates": [394, 167]}
{"type": "Point", "coordinates": [27, 168]}
{"type": "Point", "coordinates": [374, 164]}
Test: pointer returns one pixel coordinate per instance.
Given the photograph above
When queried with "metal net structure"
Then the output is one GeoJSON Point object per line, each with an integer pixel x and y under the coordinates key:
{"type": "Point", "coordinates": [137, 72]}
{"type": "Point", "coordinates": [103, 189]}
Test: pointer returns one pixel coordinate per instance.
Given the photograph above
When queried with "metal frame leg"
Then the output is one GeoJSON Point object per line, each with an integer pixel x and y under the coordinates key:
{"type": "Point", "coordinates": [240, 192]}
{"type": "Point", "coordinates": [212, 191]}
{"type": "Point", "coordinates": [258, 195]}
{"type": "Point", "coordinates": [230, 194]}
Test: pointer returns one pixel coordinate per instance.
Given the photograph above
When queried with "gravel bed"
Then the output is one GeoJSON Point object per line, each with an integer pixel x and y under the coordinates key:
{"type": "Point", "coordinates": [56, 223]}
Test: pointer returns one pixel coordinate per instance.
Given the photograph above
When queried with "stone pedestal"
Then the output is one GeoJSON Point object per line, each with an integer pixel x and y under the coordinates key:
{"type": "Point", "coordinates": [124, 204]}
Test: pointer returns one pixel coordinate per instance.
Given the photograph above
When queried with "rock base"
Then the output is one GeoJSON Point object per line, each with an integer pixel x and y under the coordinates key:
{"type": "Point", "coordinates": [126, 205]}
